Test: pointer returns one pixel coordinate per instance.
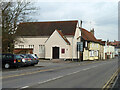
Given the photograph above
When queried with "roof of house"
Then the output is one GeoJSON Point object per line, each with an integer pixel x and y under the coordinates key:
{"type": "Point", "coordinates": [102, 42]}
{"type": "Point", "coordinates": [88, 36]}
{"type": "Point", "coordinates": [46, 28]}
{"type": "Point", "coordinates": [115, 43]}
{"type": "Point", "coordinates": [61, 34]}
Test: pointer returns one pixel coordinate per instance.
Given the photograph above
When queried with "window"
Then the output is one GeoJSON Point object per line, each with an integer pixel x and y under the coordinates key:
{"type": "Point", "coordinates": [92, 44]}
{"type": "Point", "coordinates": [97, 45]}
{"type": "Point", "coordinates": [91, 53]}
{"type": "Point", "coordinates": [63, 51]}
{"type": "Point", "coordinates": [97, 53]}
{"type": "Point", "coordinates": [85, 43]}
{"type": "Point", "coordinates": [41, 48]}
{"type": "Point", "coordinates": [31, 46]}
{"type": "Point", "coordinates": [7, 57]}
{"type": "Point", "coordinates": [21, 46]}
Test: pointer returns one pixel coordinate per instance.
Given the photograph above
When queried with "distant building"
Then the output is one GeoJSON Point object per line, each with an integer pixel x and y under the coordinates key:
{"type": "Point", "coordinates": [49, 40]}
{"type": "Point", "coordinates": [116, 44]}
{"type": "Point", "coordinates": [58, 40]}
{"type": "Point", "coordinates": [93, 48]}
{"type": "Point", "coordinates": [109, 50]}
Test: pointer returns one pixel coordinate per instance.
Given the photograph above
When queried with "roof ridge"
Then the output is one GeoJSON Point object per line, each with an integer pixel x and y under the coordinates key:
{"type": "Point", "coordinates": [46, 28]}
{"type": "Point", "coordinates": [49, 21]}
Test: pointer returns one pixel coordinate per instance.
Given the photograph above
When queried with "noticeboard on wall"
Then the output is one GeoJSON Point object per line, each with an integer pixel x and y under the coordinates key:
{"type": "Point", "coordinates": [62, 50]}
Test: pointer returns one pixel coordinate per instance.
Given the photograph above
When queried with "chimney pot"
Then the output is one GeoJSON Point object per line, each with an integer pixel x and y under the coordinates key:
{"type": "Point", "coordinates": [92, 31]}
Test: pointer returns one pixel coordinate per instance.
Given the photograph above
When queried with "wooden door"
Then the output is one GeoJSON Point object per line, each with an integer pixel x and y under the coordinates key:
{"type": "Point", "coordinates": [55, 52]}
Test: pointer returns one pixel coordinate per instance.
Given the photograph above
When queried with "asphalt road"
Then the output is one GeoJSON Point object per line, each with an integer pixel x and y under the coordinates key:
{"type": "Point", "coordinates": [61, 75]}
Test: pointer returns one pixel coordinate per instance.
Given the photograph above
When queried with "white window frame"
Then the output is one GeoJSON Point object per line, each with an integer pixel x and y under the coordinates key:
{"type": "Point", "coordinates": [41, 48]}
{"type": "Point", "coordinates": [86, 44]}
{"type": "Point", "coordinates": [31, 46]}
{"type": "Point", "coordinates": [21, 46]}
{"type": "Point", "coordinates": [91, 53]}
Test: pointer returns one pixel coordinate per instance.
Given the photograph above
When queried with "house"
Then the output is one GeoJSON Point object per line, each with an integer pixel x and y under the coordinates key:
{"type": "Point", "coordinates": [101, 49]}
{"type": "Point", "coordinates": [109, 50]}
{"type": "Point", "coordinates": [116, 44]}
{"type": "Point", "coordinates": [49, 40]}
{"type": "Point", "coordinates": [93, 48]}
{"type": "Point", "coordinates": [117, 48]}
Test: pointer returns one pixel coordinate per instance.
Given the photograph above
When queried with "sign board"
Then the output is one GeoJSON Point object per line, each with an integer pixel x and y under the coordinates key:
{"type": "Point", "coordinates": [80, 46]}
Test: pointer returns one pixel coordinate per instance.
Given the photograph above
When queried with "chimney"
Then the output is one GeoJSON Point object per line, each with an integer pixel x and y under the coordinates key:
{"type": "Point", "coordinates": [92, 31]}
{"type": "Point", "coordinates": [81, 23]}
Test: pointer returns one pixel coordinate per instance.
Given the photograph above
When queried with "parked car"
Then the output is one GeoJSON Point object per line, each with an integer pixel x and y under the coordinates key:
{"type": "Point", "coordinates": [36, 58]}
{"type": "Point", "coordinates": [32, 59]}
{"type": "Point", "coordinates": [26, 60]}
{"type": "Point", "coordinates": [11, 60]}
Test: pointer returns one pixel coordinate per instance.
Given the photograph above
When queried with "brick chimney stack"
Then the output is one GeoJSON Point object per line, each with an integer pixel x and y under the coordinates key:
{"type": "Point", "coordinates": [92, 31]}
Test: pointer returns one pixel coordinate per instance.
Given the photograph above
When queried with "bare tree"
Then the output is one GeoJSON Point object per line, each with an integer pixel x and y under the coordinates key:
{"type": "Point", "coordinates": [12, 14]}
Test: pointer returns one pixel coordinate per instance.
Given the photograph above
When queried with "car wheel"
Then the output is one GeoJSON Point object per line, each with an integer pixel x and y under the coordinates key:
{"type": "Point", "coordinates": [7, 65]}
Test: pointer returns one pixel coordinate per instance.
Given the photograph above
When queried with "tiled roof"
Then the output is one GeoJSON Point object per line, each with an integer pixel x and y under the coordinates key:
{"type": "Point", "coordinates": [88, 36]}
{"type": "Point", "coordinates": [101, 42]}
{"type": "Point", "coordinates": [115, 43]}
{"type": "Point", "coordinates": [61, 34]}
{"type": "Point", "coordinates": [46, 28]}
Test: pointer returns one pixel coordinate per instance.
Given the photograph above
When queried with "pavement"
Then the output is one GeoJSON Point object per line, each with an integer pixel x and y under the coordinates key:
{"type": "Point", "coordinates": [48, 74]}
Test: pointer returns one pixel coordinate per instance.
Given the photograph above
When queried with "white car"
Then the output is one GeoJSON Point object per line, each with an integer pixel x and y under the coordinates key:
{"type": "Point", "coordinates": [36, 58]}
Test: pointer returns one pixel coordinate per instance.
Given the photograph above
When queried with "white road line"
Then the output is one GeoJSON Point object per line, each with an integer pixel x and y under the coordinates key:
{"type": "Point", "coordinates": [64, 75]}
{"type": "Point", "coordinates": [61, 76]}
{"type": "Point", "coordinates": [50, 79]}
{"type": "Point", "coordinates": [25, 87]}
{"type": "Point", "coordinates": [86, 68]}
{"type": "Point", "coordinates": [94, 66]}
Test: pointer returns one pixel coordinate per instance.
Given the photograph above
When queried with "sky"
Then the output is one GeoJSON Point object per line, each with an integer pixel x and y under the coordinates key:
{"type": "Point", "coordinates": [100, 14]}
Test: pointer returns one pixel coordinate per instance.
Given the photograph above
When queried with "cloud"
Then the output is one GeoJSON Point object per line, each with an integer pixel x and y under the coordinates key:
{"type": "Point", "coordinates": [68, 0]}
{"type": "Point", "coordinates": [102, 15]}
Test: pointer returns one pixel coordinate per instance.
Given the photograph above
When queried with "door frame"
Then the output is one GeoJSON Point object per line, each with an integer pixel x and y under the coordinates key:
{"type": "Point", "coordinates": [53, 57]}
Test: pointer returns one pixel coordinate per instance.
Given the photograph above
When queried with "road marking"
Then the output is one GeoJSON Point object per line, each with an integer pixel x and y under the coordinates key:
{"type": "Point", "coordinates": [94, 66]}
{"type": "Point", "coordinates": [50, 79]}
{"type": "Point", "coordinates": [62, 76]}
{"type": "Point", "coordinates": [43, 71]}
{"type": "Point", "coordinates": [107, 85]}
{"type": "Point", "coordinates": [86, 68]}
{"type": "Point", "coordinates": [24, 87]}
{"type": "Point", "coordinates": [26, 73]}
{"type": "Point", "coordinates": [59, 77]}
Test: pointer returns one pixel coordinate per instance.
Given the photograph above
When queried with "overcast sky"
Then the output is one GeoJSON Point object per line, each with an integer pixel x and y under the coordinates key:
{"type": "Point", "coordinates": [102, 15]}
